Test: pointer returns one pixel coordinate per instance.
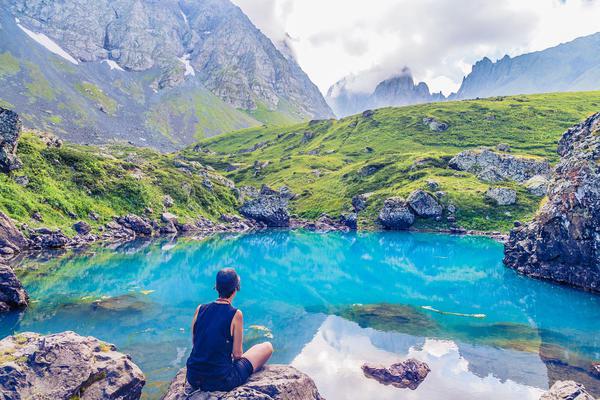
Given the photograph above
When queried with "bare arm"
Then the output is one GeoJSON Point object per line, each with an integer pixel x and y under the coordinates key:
{"type": "Point", "coordinates": [194, 322]}
{"type": "Point", "coordinates": [237, 331]}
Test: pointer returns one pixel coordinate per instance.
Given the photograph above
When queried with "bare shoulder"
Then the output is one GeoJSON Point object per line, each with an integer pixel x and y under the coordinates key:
{"type": "Point", "coordinates": [238, 315]}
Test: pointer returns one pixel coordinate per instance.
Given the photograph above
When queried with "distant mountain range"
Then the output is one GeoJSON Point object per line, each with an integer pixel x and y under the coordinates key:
{"type": "Point", "coordinates": [399, 90]}
{"type": "Point", "coordinates": [572, 66]}
{"type": "Point", "coordinates": [153, 73]}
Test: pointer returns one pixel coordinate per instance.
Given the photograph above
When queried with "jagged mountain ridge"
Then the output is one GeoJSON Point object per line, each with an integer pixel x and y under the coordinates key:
{"type": "Point", "coordinates": [571, 66]}
{"type": "Point", "coordinates": [399, 90]}
{"type": "Point", "coordinates": [179, 70]}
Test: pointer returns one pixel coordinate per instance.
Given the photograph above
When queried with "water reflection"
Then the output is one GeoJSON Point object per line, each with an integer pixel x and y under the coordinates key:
{"type": "Point", "coordinates": [141, 296]}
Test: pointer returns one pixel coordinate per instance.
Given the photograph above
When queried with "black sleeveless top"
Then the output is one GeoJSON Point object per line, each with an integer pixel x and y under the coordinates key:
{"type": "Point", "coordinates": [211, 358]}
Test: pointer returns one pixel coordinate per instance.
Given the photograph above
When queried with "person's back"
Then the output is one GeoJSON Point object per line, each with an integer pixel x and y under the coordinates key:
{"type": "Point", "coordinates": [213, 343]}
{"type": "Point", "coordinates": [217, 361]}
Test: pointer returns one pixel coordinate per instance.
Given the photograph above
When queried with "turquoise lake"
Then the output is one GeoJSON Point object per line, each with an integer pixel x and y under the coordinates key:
{"type": "Point", "coordinates": [328, 303]}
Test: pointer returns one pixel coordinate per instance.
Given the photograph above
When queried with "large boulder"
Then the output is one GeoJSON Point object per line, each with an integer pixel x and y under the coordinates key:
{"type": "Point", "coordinates": [562, 243]}
{"type": "Point", "coordinates": [66, 366]}
{"type": "Point", "coordinates": [567, 390]}
{"type": "Point", "coordinates": [490, 166]}
{"type": "Point", "coordinates": [424, 204]}
{"type": "Point", "coordinates": [396, 214]}
{"type": "Point", "coordinates": [537, 186]}
{"type": "Point", "coordinates": [273, 382]}
{"type": "Point", "coordinates": [405, 374]}
{"type": "Point", "coordinates": [137, 224]}
{"type": "Point", "coordinates": [11, 239]}
{"type": "Point", "coordinates": [501, 196]}
{"type": "Point", "coordinates": [269, 207]}
{"type": "Point", "coordinates": [10, 131]}
{"type": "Point", "coordinates": [12, 294]}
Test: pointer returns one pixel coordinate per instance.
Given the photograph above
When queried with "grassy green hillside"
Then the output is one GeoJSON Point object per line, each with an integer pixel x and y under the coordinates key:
{"type": "Point", "coordinates": [321, 160]}
{"type": "Point", "coordinates": [66, 184]}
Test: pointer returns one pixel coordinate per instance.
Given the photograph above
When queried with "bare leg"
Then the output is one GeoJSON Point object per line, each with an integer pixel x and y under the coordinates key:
{"type": "Point", "coordinates": [259, 354]}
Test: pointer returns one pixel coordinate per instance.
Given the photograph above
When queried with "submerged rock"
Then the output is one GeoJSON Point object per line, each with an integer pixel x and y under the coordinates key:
{"type": "Point", "coordinates": [270, 207]}
{"type": "Point", "coordinates": [493, 167]}
{"type": "Point", "coordinates": [273, 382]}
{"type": "Point", "coordinates": [501, 196]}
{"type": "Point", "coordinates": [10, 131]}
{"type": "Point", "coordinates": [66, 366]}
{"type": "Point", "coordinates": [396, 214]}
{"type": "Point", "coordinates": [424, 204]}
{"type": "Point", "coordinates": [562, 243]}
{"type": "Point", "coordinates": [406, 374]}
{"type": "Point", "coordinates": [12, 294]}
{"type": "Point", "coordinates": [567, 390]}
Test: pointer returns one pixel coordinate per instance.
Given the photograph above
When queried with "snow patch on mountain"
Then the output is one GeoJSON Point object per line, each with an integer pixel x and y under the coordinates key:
{"type": "Point", "coordinates": [48, 43]}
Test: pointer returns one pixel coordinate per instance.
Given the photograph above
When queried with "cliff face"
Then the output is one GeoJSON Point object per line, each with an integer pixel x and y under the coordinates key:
{"type": "Point", "coordinates": [572, 66]}
{"type": "Point", "coordinates": [202, 65]}
{"type": "Point", "coordinates": [562, 243]}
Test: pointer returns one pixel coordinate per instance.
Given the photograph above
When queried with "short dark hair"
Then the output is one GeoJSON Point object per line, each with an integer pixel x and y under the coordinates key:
{"type": "Point", "coordinates": [228, 282]}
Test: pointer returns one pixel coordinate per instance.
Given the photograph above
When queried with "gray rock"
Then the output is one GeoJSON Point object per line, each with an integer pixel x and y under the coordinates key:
{"type": "Point", "coordinates": [406, 374]}
{"type": "Point", "coordinates": [44, 238]}
{"type": "Point", "coordinates": [493, 167]}
{"type": "Point", "coordinates": [396, 214]}
{"type": "Point", "coordinates": [10, 236]}
{"type": "Point", "coordinates": [359, 202]}
{"type": "Point", "coordinates": [82, 228]}
{"type": "Point", "coordinates": [503, 147]}
{"type": "Point", "coordinates": [562, 243]}
{"type": "Point", "coordinates": [537, 185]}
{"type": "Point", "coordinates": [350, 220]}
{"type": "Point", "coordinates": [567, 390]}
{"type": "Point", "coordinates": [501, 196]}
{"type": "Point", "coordinates": [424, 204]}
{"type": "Point", "coordinates": [271, 209]}
{"type": "Point", "coordinates": [369, 170]}
{"type": "Point", "coordinates": [22, 180]}
{"type": "Point", "coordinates": [66, 366]}
{"type": "Point", "coordinates": [12, 294]}
{"type": "Point", "coordinates": [273, 382]}
{"type": "Point", "coordinates": [168, 201]}
{"type": "Point", "coordinates": [433, 185]}
{"type": "Point", "coordinates": [435, 125]}
{"type": "Point", "coordinates": [10, 131]}
{"type": "Point", "coordinates": [137, 224]}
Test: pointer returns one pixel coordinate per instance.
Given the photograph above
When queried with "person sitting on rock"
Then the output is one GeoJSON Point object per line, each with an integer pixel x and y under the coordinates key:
{"type": "Point", "coordinates": [217, 361]}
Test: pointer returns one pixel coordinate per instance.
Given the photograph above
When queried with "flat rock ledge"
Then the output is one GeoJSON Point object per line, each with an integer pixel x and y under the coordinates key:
{"type": "Point", "coordinates": [567, 390]}
{"type": "Point", "coordinates": [406, 374]}
{"type": "Point", "coordinates": [66, 366]}
{"type": "Point", "coordinates": [274, 382]}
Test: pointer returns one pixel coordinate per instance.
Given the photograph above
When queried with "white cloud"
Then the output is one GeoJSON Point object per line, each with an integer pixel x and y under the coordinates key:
{"type": "Point", "coordinates": [438, 39]}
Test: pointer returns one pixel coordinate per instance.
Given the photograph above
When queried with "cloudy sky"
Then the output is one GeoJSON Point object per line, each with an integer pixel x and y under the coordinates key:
{"type": "Point", "coordinates": [438, 40]}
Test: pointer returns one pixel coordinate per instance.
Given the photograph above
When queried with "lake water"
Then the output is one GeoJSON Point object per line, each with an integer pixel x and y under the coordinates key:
{"type": "Point", "coordinates": [330, 302]}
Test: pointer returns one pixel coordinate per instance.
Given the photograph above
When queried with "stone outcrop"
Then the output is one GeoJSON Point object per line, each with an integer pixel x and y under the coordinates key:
{"type": "Point", "coordinates": [11, 239]}
{"type": "Point", "coordinates": [562, 243]}
{"type": "Point", "coordinates": [12, 294]}
{"type": "Point", "coordinates": [396, 214]}
{"type": "Point", "coordinates": [501, 196]}
{"type": "Point", "coordinates": [537, 185]}
{"type": "Point", "coordinates": [269, 207]}
{"type": "Point", "coordinates": [435, 125]}
{"type": "Point", "coordinates": [10, 131]}
{"type": "Point", "coordinates": [66, 366]}
{"type": "Point", "coordinates": [424, 204]}
{"type": "Point", "coordinates": [567, 390]}
{"type": "Point", "coordinates": [274, 382]}
{"type": "Point", "coordinates": [490, 166]}
{"type": "Point", "coordinates": [406, 374]}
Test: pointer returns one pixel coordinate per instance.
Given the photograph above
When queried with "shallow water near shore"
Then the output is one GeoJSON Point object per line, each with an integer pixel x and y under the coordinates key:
{"type": "Point", "coordinates": [330, 302]}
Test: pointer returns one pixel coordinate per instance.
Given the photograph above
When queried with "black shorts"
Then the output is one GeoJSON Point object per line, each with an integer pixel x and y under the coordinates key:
{"type": "Point", "coordinates": [239, 374]}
